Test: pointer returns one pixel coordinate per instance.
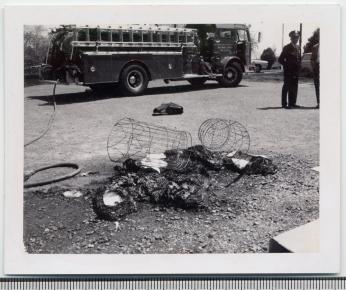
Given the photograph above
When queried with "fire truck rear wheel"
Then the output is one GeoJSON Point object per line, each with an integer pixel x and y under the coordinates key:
{"type": "Point", "coordinates": [134, 79]}
{"type": "Point", "coordinates": [232, 75]}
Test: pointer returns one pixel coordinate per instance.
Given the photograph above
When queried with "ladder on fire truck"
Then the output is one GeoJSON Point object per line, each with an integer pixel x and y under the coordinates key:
{"type": "Point", "coordinates": [133, 36]}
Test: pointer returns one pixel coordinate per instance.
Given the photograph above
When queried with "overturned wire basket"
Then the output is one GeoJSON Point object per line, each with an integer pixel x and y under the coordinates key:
{"type": "Point", "coordinates": [224, 136]}
{"type": "Point", "coordinates": [136, 140]}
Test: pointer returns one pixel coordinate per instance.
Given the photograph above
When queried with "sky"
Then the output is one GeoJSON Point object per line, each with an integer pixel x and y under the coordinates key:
{"type": "Point", "coordinates": [271, 35]}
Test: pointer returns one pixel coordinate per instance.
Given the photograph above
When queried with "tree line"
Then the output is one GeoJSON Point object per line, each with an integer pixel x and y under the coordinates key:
{"type": "Point", "coordinates": [36, 43]}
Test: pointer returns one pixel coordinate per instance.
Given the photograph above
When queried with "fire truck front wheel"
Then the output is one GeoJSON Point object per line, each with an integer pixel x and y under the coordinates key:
{"type": "Point", "coordinates": [232, 75]}
{"type": "Point", "coordinates": [134, 79]}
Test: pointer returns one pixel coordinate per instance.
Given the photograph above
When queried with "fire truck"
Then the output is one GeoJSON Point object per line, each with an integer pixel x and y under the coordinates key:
{"type": "Point", "coordinates": [133, 55]}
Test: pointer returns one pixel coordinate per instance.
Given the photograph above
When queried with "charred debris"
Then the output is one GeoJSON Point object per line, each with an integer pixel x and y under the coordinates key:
{"type": "Point", "coordinates": [189, 187]}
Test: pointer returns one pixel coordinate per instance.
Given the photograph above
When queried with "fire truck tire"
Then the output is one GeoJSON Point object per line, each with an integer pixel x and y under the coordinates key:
{"type": "Point", "coordinates": [197, 83]}
{"type": "Point", "coordinates": [134, 79]}
{"type": "Point", "coordinates": [232, 75]}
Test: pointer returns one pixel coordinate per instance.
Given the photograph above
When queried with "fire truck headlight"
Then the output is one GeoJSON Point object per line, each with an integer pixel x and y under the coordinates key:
{"type": "Point", "coordinates": [92, 68]}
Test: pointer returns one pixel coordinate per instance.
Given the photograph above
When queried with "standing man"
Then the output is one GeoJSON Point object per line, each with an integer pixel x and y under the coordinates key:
{"type": "Point", "coordinates": [290, 59]}
{"type": "Point", "coordinates": [315, 62]}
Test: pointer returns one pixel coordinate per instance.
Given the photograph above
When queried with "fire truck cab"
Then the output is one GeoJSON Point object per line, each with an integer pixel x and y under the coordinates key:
{"type": "Point", "coordinates": [134, 55]}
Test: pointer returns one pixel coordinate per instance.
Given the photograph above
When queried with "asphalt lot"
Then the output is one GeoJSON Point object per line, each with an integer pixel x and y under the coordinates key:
{"type": "Point", "coordinates": [84, 119]}
{"type": "Point", "coordinates": [242, 218]}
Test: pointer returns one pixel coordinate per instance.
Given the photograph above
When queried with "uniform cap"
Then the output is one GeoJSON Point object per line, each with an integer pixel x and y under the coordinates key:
{"type": "Point", "coordinates": [294, 33]}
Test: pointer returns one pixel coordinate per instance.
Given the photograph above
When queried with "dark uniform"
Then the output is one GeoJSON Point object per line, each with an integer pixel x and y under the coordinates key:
{"type": "Point", "coordinates": [290, 59]}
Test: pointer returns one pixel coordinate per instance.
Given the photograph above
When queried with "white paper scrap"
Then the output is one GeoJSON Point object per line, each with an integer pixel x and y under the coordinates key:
{"type": "Point", "coordinates": [110, 198]}
{"type": "Point", "coordinates": [240, 163]}
{"type": "Point", "coordinates": [317, 168]}
{"type": "Point", "coordinates": [72, 193]}
{"type": "Point", "coordinates": [155, 161]}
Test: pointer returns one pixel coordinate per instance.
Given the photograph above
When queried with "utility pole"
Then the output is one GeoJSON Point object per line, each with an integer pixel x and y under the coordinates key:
{"type": "Point", "coordinates": [300, 38]}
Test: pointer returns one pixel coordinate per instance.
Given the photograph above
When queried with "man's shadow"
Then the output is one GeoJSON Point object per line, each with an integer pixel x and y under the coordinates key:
{"type": "Point", "coordinates": [295, 108]}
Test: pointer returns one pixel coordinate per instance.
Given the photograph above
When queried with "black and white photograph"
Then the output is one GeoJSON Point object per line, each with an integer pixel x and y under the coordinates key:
{"type": "Point", "coordinates": [180, 139]}
{"type": "Point", "coordinates": [172, 139]}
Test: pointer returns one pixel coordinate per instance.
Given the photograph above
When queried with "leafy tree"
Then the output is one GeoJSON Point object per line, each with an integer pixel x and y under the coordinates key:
{"type": "Point", "coordinates": [314, 39]}
{"type": "Point", "coordinates": [268, 55]}
{"type": "Point", "coordinates": [35, 45]}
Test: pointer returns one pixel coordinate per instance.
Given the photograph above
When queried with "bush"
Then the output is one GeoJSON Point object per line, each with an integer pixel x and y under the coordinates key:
{"type": "Point", "coordinates": [268, 55]}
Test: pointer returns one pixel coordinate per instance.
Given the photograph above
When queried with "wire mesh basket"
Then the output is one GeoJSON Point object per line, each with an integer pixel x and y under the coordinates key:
{"type": "Point", "coordinates": [137, 140]}
{"type": "Point", "coordinates": [224, 136]}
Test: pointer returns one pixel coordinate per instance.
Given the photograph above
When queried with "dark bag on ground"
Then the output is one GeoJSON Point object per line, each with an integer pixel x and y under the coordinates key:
{"type": "Point", "coordinates": [168, 109]}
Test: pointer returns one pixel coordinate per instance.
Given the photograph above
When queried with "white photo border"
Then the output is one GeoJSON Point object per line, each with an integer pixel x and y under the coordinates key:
{"type": "Point", "coordinates": [17, 261]}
